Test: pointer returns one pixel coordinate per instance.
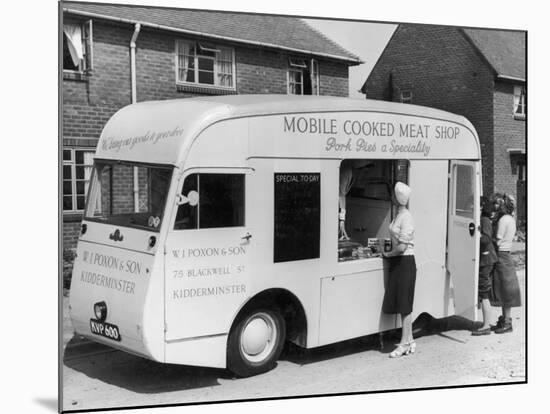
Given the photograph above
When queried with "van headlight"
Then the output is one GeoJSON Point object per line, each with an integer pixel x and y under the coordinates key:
{"type": "Point", "coordinates": [100, 310]}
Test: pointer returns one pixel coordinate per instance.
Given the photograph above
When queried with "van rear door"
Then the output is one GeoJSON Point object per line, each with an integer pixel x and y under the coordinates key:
{"type": "Point", "coordinates": [463, 235]}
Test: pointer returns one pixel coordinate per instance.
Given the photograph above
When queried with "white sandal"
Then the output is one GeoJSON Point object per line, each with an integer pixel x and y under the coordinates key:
{"type": "Point", "coordinates": [403, 349]}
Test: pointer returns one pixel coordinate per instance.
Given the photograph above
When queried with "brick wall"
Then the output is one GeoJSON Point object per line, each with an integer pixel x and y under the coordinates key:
{"type": "Point", "coordinates": [88, 104]}
{"type": "Point", "coordinates": [333, 79]}
{"type": "Point", "coordinates": [261, 71]}
{"type": "Point", "coordinates": [71, 230]}
{"type": "Point", "coordinates": [156, 66]}
{"type": "Point", "coordinates": [442, 70]}
{"type": "Point", "coordinates": [508, 133]}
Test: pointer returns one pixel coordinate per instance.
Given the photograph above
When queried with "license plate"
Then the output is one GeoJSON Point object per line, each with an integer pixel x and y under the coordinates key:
{"type": "Point", "coordinates": [104, 329]}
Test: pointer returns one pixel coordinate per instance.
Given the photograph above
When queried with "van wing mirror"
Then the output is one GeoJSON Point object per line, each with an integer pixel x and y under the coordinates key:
{"type": "Point", "coordinates": [192, 198]}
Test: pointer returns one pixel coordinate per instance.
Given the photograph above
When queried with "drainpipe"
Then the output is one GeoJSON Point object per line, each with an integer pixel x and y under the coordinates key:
{"type": "Point", "coordinates": [137, 28]}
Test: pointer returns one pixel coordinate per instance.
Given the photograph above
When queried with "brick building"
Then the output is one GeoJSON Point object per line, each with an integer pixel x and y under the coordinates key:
{"type": "Point", "coordinates": [478, 73]}
{"type": "Point", "coordinates": [114, 55]}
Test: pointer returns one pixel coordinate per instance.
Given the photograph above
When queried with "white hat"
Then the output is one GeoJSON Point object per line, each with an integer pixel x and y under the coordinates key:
{"type": "Point", "coordinates": [402, 193]}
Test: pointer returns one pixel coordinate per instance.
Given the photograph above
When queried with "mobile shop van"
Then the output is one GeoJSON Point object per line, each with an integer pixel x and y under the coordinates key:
{"type": "Point", "coordinates": [210, 234]}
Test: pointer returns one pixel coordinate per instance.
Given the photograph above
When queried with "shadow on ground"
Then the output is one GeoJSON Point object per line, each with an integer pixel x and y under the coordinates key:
{"type": "Point", "coordinates": [144, 376]}
{"type": "Point", "coordinates": [385, 343]}
{"type": "Point", "coordinates": [135, 373]}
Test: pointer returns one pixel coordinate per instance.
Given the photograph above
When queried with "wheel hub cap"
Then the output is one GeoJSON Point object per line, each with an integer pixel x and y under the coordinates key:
{"type": "Point", "coordinates": [257, 338]}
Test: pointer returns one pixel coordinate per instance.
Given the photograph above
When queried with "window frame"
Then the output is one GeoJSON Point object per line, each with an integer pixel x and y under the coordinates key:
{"type": "Point", "coordinates": [85, 66]}
{"type": "Point", "coordinates": [467, 213]}
{"type": "Point", "coordinates": [291, 83]}
{"type": "Point", "coordinates": [406, 96]}
{"type": "Point", "coordinates": [130, 164]}
{"type": "Point", "coordinates": [72, 163]}
{"type": "Point", "coordinates": [207, 47]}
{"type": "Point", "coordinates": [198, 173]}
{"type": "Point", "coordinates": [517, 98]}
{"type": "Point", "coordinates": [300, 65]}
{"type": "Point", "coordinates": [387, 172]}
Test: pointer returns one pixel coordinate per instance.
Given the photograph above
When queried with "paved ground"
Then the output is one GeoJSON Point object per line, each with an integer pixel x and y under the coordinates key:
{"type": "Point", "coordinates": [97, 376]}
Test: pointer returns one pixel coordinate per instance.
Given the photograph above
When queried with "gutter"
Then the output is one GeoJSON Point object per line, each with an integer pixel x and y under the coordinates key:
{"type": "Point", "coordinates": [510, 78]}
{"type": "Point", "coordinates": [213, 36]}
{"type": "Point", "coordinates": [137, 28]}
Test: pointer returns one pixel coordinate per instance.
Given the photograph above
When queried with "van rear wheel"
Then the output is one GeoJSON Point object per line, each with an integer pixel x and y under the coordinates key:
{"type": "Point", "coordinates": [255, 342]}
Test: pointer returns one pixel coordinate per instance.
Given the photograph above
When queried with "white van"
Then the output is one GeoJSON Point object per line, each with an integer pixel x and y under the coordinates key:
{"type": "Point", "coordinates": [210, 234]}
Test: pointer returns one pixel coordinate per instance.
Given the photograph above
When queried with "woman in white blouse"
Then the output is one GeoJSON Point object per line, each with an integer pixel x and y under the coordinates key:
{"type": "Point", "coordinates": [399, 294]}
{"type": "Point", "coordinates": [506, 285]}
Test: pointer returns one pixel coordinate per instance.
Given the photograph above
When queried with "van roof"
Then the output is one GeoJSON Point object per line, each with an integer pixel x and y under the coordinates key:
{"type": "Point", "coordinates": [250, 105]}
{"type": "Point", "coordinates": [168, 126]}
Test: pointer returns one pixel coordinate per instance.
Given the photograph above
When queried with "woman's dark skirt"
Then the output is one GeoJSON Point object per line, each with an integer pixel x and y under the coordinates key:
{"type": "Point", "coordinates": [399, 294]}
{"type": "Point", "coordinates": [505, 282]}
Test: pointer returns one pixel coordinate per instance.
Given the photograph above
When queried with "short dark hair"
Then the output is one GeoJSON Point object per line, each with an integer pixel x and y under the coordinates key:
{"type": "Point", "coordinates": [486, 206]}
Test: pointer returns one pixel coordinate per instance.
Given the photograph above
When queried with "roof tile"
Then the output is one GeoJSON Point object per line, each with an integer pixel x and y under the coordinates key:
{"type": "Point", "coordinates": [270, 30]}
{"type": "Point", "coordinates": [504, 50]}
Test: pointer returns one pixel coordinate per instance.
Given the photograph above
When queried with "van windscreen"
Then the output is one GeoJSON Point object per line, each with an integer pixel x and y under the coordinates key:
{"type": "Point", "coordinates": [129, 195]}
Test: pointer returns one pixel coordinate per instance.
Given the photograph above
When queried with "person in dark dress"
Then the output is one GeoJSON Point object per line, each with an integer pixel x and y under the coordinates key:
{"type": "Point", "coordinates": [399, 294]}
{"type": "Point", "coordinates": [487, 260]}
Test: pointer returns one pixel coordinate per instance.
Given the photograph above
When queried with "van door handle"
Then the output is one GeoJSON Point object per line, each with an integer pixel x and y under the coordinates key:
{"type": "Point", "coordinates": [247, 237]}
{"type": "Point", "coordinates": [472, 228]}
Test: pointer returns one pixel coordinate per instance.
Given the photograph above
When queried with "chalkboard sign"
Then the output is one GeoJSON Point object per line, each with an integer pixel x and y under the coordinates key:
{"type": "Point", "coordinates": [297, 216]}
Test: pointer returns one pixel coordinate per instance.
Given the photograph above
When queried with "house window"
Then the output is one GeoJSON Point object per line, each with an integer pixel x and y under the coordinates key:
{"type": "Point", "coordinates": [303, 77]}
{"type": "Point", "coordinates": [406, 96]}
{"type": "Point", "coordinates": [77, 46]}
{"type": "Point", "coordinates": [77, 168]}
{"type": "Point", "coordinates": [295, 82]}
{"type": "Point", "coordinates": [520, 103]}
{"type": "Point", "coordinates": [204, 64]}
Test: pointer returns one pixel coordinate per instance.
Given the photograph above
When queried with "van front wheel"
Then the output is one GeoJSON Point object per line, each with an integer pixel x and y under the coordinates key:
{"type": "Point", "coordinates": [255, 342]}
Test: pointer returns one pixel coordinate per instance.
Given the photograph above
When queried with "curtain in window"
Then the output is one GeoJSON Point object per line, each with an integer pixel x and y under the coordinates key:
{"type": "Point", "coordinates": [314, 73]}
{"type": "Point", "coordinates": [184, 50]}
{"type": "Point", "coordinates": [88, 163]}
{"type": "Point", "coordinates": [224, 63]}
{"type": "Point", "coordinates": [520, 104]}
{"type": "Point", "coordinates": [519, 100]}
{"type": "Point", "coordinates": [74, 37]}
{"type": "Point", "coordinates": [88, 168]}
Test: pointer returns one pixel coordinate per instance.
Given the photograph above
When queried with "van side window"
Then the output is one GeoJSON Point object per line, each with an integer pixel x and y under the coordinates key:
{"type": "Point", "coordinates": [297, 216]}
{"type": "Point", "coordinates": [221, 202]}
{"type": "Point", "coordinates": [365, 205]}
{"type": "Point", "coordinates": [464, 197]}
